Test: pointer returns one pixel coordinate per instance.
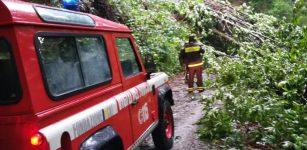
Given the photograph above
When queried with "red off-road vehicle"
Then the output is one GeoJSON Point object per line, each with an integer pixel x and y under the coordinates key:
{"type": "Point", "coordinates": [70, 80]}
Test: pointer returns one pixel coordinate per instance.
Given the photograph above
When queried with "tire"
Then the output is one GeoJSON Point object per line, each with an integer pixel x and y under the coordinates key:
{"type": "Point", "coordinates": [163, 135]}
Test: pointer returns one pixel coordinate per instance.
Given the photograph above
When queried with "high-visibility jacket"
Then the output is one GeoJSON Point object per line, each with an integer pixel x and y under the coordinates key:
{"type": "Point", "coordinates": [191, 54]}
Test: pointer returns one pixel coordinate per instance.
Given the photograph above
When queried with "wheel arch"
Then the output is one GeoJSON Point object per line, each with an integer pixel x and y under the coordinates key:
{"type": "Point", "coordinates": [104, 139]}
{"type": "Point", "coordinates": [165, 93]}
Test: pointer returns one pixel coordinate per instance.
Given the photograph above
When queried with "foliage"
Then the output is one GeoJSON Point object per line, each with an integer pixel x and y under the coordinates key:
{"type": "Point", "coordinates": [282, 9]}
{"type": "Point", "coordinates": [263, 90]}
{"type": "Point", "coordinates": [156, 30]}
{"type": "Point", "coordinates": [278, 8]}
{"type": "Point", "coordinates": [300, 12]}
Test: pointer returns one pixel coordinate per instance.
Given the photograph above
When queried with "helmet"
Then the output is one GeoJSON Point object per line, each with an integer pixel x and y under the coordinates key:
{"type": "Point", "coordinates": [192, 39]}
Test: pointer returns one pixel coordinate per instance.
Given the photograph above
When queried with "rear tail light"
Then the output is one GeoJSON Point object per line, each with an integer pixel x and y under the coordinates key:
{"type": "Point", "coordinates": [37, 139]}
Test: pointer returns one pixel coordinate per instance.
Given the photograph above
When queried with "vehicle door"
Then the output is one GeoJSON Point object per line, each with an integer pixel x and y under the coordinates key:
{"type": "Point", "coordinates": [134, 82]}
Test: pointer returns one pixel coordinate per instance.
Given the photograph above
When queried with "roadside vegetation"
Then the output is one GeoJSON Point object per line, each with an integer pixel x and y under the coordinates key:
{"type": "Point", "coordinates": [259, 62]}
{"type": "Point", "coordinates": [260, 82]}
{"type": "Point", "coordinates": [282, 9]}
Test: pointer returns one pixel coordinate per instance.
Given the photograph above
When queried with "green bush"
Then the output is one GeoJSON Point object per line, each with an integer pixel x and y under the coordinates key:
{"type": "Point", "coordinates": [263, 92]}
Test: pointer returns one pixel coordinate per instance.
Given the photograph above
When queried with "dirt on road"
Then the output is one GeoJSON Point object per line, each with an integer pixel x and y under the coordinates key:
{"type": "Point", "coordinates": [187, 110]}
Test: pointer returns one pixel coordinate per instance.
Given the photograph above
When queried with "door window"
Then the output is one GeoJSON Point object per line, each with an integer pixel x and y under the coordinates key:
{"type": "Point", "coordinates": [94, 60]}
{"type": "Point", "coordinates": [128, 60]}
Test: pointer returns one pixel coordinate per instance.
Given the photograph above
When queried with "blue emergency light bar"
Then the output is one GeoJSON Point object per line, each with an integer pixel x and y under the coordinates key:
{"type": "Point", "coordinates": [61, 16]}
{"type": "Point", "coordinates": [71, 4]}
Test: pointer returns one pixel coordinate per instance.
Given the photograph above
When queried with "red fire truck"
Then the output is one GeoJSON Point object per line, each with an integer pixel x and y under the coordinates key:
{"type": "Point", "coordinates": [70, 80]}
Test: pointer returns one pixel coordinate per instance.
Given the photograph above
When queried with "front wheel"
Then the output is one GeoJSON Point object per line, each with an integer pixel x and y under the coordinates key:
{"type": "Point", "coordinates": [163, 135]}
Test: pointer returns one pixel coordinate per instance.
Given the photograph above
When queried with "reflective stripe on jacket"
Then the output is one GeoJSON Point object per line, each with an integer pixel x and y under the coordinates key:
{"type": "Point", "coordinates": [191, 54]}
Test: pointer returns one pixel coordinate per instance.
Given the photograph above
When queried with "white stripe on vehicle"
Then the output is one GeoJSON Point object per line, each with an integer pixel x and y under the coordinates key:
{"type": "Point", "coordinates": [144, 88]}
{"type": "Point", "coordinates": [135, 93]}
{"type": "Point", "coordinates": [87, 119]}
{"type": "Point", "coordinates": [158, 79]}
{"type": "Point", "coordinates": [78, 124]}
{"type": "Point", "coordinates": [123, 100]}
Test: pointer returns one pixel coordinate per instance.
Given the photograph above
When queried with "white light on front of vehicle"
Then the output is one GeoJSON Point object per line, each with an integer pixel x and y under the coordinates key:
{"type": "Point", "coordinates": [60, 16]}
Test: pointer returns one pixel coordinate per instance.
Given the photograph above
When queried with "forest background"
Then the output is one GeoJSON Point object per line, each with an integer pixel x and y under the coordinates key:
{"type": "Point", "coordinates": [256, 49]}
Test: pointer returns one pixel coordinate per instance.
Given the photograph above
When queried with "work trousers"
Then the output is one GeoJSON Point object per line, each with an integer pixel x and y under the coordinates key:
{"type": "Point", "coordinates": [198, 71]}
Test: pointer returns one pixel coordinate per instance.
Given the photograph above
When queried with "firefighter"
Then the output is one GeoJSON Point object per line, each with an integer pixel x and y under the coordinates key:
{"type": "Point", "coordinates": [191, 56]}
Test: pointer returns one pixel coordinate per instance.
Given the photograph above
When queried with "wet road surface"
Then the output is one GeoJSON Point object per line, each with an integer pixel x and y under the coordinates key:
{"type": "Point", "coordinates": [187, 111]}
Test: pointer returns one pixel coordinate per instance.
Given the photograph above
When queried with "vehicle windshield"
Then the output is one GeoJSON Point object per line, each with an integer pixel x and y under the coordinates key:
{"type": "Point", "coordinates": [9, 83]}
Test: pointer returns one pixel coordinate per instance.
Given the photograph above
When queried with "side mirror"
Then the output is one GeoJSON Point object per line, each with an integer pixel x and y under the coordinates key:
{"type": "Point", "coordinates": [148, 75]}
{"type": "Point", "coordinates": [149, 64]}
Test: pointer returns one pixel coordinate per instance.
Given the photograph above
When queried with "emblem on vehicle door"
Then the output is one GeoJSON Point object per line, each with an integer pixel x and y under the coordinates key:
{"type": "Point", "coordinates": [143, 114]}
